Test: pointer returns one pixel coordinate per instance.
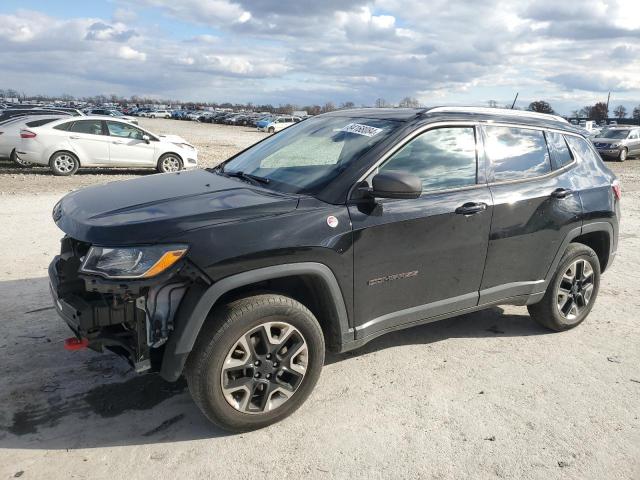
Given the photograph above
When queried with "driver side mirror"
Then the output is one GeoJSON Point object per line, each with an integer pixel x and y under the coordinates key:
{"type": "Point", "coordinates": [392, 184]}
{"type": "Point", "coordinates": [146, 138]}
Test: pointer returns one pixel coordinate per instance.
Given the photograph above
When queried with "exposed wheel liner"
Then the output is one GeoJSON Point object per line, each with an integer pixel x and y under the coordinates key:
{"type": "Point", "coordinates": [189, 319]}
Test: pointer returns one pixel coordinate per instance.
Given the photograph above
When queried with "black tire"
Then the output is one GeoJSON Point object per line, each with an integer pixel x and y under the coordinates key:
{"type": "Point", "coordinates": [622, 156]}
{"type": "Point", "coordinates": [64, 164]}
{"type": "Point", "coordinates": [547, 312]}
{"type": "Point", "coordinates": [170, 162]}
{"type": "Point", "coordinates": [228, 325]}
{"type": "Point", "coordinates": [16, 159]}
{"type": "Point", "coordinates": [271, 130]}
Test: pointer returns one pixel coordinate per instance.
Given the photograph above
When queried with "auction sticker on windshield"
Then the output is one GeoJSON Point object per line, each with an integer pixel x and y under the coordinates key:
{"type": "Point", "coordinates": [360, 129]}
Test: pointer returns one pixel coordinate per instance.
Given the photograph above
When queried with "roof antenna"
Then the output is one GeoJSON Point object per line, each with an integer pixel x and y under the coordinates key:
{"type": "Point", "coordinates": [514, 100]}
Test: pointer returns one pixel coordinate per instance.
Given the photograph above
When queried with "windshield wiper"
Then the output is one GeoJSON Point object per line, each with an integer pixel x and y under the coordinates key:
{"type": "Point", "coordinates": [245, 176]}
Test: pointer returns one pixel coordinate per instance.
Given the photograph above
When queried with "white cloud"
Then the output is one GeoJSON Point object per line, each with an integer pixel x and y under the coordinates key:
{"type": "Point", "coordinates": [127, 53]}
{"type": "Point", "coordinates": [298, 51]}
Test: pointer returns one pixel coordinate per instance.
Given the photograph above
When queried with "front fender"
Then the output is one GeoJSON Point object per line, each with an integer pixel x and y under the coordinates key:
{"type": "Point", "coordinates": [198, 303]}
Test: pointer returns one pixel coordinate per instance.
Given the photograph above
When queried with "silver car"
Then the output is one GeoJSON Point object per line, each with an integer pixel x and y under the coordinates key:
{"type": "Point", "coordinates": [618, 142]}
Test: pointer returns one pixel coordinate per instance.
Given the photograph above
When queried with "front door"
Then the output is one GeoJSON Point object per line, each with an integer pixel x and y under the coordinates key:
{"type": "Point", "coordinates": [127, 148]}
{"type": "Point", "coordinates": [419, 258]}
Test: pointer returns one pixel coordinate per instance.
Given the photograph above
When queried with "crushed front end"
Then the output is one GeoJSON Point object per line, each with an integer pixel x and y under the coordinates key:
{"type": "Point", "coordinates": [131, 316]}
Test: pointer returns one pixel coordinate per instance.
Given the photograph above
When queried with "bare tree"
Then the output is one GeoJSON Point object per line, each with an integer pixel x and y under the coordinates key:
{"type": "Point", "coordinates": [620, 112]}
{"type": "Point", "coordinates": [328, 107]}
{"type": "Point", "coordinates": [492, 104]}
{"type": "Point", "coordinates": [636, 113]}
{"type": "Point", "coordinates": [381, 103]}
{"type": "Point", "coordinates": [409, 102]}
{"type": "Point", "coordinates": [347, 105]}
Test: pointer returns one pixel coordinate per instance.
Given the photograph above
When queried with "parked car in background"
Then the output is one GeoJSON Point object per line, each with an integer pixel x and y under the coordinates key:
{"type": "Point", "coordinates": [66, 145]}
{"type": "Point", "coordinates": [14, 113]}
{"type": "Point", "coordinates": [159, 114]}
{"type": "Point", "coordinates": [277, 123]}
{"type": "Point", "coordinates": [112, 113]}
{"type": "Point", "coordinates": [10, 134]}
{"type": "Point", "coordinates": [618, 142]}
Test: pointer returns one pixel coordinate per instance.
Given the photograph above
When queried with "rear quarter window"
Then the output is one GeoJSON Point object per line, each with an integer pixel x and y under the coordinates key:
{"type": "Point", "coordinates": [560, 153]}
{"type": "Point", "coordinates": [64, 126]}
{"type": "Point", "coordinates": [516, 153]}
{"type": "Point", "coordinates": [582, 148]}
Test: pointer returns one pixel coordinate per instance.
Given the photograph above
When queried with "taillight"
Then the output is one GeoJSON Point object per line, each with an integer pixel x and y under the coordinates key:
{"type": "Point", "coordinates": [617, 189]}
{"type": "Point", "coordinates": [27, 134]}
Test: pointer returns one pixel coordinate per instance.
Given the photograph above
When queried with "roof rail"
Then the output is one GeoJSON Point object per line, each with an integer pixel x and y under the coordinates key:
{"type": "Point", "coordinates": [497, 111]}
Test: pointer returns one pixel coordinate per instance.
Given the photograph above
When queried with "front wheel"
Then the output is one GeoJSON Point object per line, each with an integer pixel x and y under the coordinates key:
{"type": "Point", "coordinates": [169, 162]}
{"type": "Point", "coordinates": [572, 291]}
{"type": "Point", "coordinates": [622, 156]}
{"type": "Point", "coordinates": [64, 164]}
{"type": "Point", "coordinates": [271, 130]}
{"type": "Point", "coordinates": [255, 362]}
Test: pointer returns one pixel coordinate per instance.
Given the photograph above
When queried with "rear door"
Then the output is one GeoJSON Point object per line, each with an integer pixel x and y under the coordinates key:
{"type": "Point", "coordinates": [634, 141]}
{"type": "Point", "coordinates": [127, 147]}
{"type": "Point", "coordinates": [419, 258]}
{"type": "Point", "coordinates": [535, 205]}
{"type": "Point", "coordinates": [90, 141]}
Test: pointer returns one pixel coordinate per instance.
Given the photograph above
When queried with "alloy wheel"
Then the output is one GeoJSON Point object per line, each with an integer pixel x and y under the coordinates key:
{"type": "Point", "coordinates": [264, 368]}
{"type": "Point", "coordinates": [170, 164]}
{"type": "Point", "coordinates": [64, 163]}
{"type": "Point", "coordinates": [575, 289]}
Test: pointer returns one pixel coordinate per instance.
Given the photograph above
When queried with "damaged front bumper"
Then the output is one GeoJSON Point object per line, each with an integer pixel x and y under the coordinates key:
{"type": "Point", "coordinates": [131, 318]}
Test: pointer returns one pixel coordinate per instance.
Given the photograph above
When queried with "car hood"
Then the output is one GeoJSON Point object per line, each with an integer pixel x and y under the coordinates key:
{"type": "Point", "coordinates": [608, 141]}
{"type": "Point", "coordinates": [150, 209]}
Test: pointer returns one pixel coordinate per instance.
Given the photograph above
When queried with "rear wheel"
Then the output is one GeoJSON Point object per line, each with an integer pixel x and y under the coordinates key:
{"type": "Point", "coordinates": [255, 362]}
{"type": "Point", "coordinates": [572, 291]}
{"type": "Point", "coordinates": [169, 162]}
{"type": "Point", "coordinates": [17, 160]}
{"type": "Point", "coordinates": [64, 164]}
{"type": "Point", "coordinates": [622, 156]}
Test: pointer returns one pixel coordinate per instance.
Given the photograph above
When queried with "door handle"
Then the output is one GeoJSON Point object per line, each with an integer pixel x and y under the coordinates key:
{"type": "Point", "coordinates": [73, 137]}
{"type": "Point", "coordinates": [471, 208]}
{"type": "Point", "coordinates": [116, 142]}
{"type": "Point", "coordinates": [561, 193]}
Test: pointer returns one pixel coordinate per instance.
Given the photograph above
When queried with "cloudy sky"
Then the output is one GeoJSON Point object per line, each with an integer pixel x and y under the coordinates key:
{"type": "Point", "coordinates": [568, 52]}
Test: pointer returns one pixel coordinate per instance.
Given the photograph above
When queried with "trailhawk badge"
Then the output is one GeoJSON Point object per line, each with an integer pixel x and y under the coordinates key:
{"type": "Point", "coordinates": [389, 278]}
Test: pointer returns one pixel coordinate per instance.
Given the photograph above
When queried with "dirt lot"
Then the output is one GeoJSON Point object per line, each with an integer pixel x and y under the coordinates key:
{"type": "Point", "coordinates": [484, 395]}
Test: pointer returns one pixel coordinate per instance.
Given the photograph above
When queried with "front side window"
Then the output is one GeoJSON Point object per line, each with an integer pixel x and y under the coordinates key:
{"type": "Point", "coordinates": [442, 158]}
{"type": "Point", "coordinates": [123, 130]}
{"type": "Point", "coordinates": [307, 156]}
{"type": "Point", "coordinates": [516, 153]}
{"type": "Point", "coordinates": [92, 127]}
{"type": "Point", "coordinates": [560, 153]}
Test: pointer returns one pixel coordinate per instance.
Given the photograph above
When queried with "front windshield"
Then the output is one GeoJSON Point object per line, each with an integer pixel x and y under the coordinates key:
{"type": "Point", "coordinates": [306, 156]}
{"type": "Point", "coordinates": [614, 134]}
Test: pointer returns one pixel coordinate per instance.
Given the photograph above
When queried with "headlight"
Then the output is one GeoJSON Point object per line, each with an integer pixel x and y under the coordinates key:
{"type": "Point", "coordinates": [132, 262]}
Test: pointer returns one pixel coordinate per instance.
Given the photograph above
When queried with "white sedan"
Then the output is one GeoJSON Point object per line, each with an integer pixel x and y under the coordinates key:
{"type": "Point", "coordinates": [71, 143]}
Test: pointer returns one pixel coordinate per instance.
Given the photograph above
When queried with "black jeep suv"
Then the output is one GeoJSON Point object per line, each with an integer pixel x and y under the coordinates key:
{"type": "Point", "coordinates": [330, 233]}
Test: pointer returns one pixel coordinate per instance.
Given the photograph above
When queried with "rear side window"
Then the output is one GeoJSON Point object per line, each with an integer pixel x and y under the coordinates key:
{"type": "Point", "coordinates": [516, 153]}
{"type": "Point", "coordinates": [582, 148]}
{"type": "Point", "coordinates": [92, 127]}
{"type": "Point", "coordinates": [39, 123]}
{"type": "Point", "coordinates": [560, 153]}
{"type": "Point", "coordinates": [441, 158]}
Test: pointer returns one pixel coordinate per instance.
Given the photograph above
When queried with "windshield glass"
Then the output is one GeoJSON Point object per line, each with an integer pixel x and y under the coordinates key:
{"type": "Point", "coordinates": [306, 156]}
{"type": "Point", "coordinates": [614, 134]}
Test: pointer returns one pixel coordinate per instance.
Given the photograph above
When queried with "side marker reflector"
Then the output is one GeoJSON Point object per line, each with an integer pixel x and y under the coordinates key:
{"type": "Point", "coordinates": [74, 343]}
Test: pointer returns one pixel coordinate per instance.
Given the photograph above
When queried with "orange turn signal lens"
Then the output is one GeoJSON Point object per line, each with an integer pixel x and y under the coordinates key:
{"type": "Point", "coordinates": [165, 261]}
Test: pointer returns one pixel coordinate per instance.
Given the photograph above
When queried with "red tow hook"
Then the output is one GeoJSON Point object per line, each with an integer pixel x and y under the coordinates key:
{"type": "Point", "coordinates": [74, 343]}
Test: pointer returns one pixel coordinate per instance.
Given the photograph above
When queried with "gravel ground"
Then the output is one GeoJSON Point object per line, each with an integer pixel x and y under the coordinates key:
{"type": "Point", "coordinates": [484, 395]}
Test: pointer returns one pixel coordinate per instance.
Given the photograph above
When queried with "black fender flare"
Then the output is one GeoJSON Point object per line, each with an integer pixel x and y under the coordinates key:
{"type": "Point", "coordinates": [197, 304]}
{"type": "Point", "coordinates": [599, 226]}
